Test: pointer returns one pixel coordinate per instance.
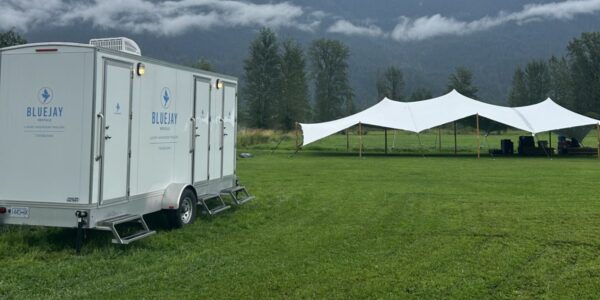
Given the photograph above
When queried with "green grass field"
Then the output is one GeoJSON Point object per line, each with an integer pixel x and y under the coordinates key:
{"type": "Point", "coordinates": [332, 225]}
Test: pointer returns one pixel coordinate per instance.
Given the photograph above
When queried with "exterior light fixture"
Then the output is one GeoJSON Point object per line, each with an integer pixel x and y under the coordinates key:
{"type": "Point", "coordinates": [141, 69]}
{"type": "Point", "coordinates": [219, 84]}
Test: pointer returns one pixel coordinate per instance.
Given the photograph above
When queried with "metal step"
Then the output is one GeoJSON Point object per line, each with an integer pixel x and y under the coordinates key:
{"type": "Point", "coordinates": [235, 193]}
{"type": "Point", "coordinates": [233, 189]}
{"type": "Point", "coordinates": [118, 220]}
{"type": "Point", "coordinates": [111, 224]}
{"type": "Point", "coordinates": [220, 207]}
{"type": "Point", "coordinates": [134, 237]}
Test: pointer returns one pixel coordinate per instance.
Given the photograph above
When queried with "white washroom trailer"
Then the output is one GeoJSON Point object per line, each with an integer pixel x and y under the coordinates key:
{"type": "Point", "coordinates": [96, 135]}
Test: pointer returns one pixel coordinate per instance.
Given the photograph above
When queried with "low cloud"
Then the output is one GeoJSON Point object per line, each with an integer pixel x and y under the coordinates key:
{"type": "Point", "coordinates": [165, 18]}
{"type": "Point", "coordinates": [438, 25]}
{"type": "Point", "coordinates": [347, 28]}
{"type": "Point", "coordinates": [422, 28]}
{"type": "Point", "coordinates": [179, 16]}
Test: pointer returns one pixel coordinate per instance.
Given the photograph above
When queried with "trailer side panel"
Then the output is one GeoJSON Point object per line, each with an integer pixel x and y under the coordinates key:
{"type": "Point", "coordinates": [46, 100]}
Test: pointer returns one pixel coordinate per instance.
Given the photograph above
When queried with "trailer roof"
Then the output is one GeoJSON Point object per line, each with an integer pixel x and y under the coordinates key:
{"type": "Point", "coordinates": [124, 54]}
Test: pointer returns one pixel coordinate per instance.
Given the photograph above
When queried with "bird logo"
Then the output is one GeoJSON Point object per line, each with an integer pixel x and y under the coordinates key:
{"type": "Point", "coordinates": [45, 95]}
{"type": "Point", "coordinates": [165, 97]}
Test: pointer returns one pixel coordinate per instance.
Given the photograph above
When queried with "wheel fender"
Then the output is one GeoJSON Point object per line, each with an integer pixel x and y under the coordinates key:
{"type": "Point", "coordinates": [172, 194]}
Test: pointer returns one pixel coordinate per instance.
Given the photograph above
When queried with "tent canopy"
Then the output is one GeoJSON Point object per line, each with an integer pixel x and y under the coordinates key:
{"type": "Point", "coordinates": [422, 115]}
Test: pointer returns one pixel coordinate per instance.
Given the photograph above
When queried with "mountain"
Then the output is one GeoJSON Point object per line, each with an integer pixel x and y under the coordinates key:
{"type": "Point", "coordinates": [491, 53]}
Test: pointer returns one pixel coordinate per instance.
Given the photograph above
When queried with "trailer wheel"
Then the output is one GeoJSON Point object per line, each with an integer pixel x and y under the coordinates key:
{"type": "Point", "coordinates": [186, 213]}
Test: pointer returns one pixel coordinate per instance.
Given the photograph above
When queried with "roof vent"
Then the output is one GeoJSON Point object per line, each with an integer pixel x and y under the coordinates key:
{"type": "Point", "coordinates": [120, 43]}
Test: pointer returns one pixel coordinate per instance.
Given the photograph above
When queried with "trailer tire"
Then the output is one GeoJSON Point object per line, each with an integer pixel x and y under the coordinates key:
{"type": "Point", "coordinates": [186, 213]}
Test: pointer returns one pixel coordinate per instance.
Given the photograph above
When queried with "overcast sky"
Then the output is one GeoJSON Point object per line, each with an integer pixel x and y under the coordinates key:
{"type": "Point", "coordinates": [170, 18]}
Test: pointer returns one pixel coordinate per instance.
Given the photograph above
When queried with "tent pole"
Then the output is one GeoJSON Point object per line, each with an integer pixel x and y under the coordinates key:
{"type": "Point", "coordinates": [386, 147]}
{"type": "Point", "coordinates": [360, 145]}
{"type": "Point", "coordinates": [598, 133]}
{"type": "Point", "coordinates": [549, 139]}
{"type": "Point", "coordinates": [297, 145]}
{"type": "Point", "coordinates": [455, 149]}
{"type": "Point", "coordinates": [421, 145]}
{"type": "Point", "coordinates": [440, 138]}
{"type": "Point", "coordinates": [478, 139]}
{"type": "Point", "coordinates": [347, 141]}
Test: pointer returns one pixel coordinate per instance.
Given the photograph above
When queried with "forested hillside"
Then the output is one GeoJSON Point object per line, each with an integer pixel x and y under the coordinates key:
{"type": "Point", "coordinates": [492, 55]}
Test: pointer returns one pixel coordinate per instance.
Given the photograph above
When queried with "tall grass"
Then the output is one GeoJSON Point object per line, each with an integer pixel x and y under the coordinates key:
{"type": "Point", "coordinates": [250, 137]}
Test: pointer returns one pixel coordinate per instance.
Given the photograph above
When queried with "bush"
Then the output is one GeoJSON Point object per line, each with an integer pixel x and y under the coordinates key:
{"type": "Point", "coordinates": [249, 137]}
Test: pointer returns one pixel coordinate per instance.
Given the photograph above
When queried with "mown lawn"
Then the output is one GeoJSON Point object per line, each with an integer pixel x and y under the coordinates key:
{"type": "Point", "coordinates": [336, 226]}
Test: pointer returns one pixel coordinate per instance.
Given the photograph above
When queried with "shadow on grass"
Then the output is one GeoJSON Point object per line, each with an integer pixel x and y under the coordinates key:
{"type": "Point", "coordinates": [47, 239]}
{"type": "Point", "coordinates": [50, 239]}
{"type": "Point", "coordinates": [325, 153]}
{"type": "Point", "coordinates": [38, 239]}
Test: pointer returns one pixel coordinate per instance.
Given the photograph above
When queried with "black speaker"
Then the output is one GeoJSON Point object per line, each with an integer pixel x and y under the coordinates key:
{"type": "Point", "coordinates": [507, 147]}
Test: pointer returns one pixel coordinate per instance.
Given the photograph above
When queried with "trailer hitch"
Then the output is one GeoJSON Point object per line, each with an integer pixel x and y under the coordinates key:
{"type": "Point", "coordinates": [81, 221]}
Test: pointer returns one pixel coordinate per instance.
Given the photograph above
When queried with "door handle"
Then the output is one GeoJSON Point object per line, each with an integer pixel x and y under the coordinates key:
{"type": "Point", "coordinates": [108, 137]}
{"type": "Point", "coordinates": [101, 130]}
{"type": "Point", "coordinates": [193, 134]}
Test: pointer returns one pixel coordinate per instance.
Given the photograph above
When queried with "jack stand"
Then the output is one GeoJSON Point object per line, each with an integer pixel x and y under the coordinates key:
{"type": "Point", "coordinates": [81, 215]}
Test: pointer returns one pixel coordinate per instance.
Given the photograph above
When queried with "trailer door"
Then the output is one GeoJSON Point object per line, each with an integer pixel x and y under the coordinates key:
{"type": "Point", "coordinates": [115, 132]}
{"type": "Point", "coordinates": [216, 134]}
{"type": "Point", "coordinates": [229, 130]}
{"type": "Point", "coordinates": [201, 133]}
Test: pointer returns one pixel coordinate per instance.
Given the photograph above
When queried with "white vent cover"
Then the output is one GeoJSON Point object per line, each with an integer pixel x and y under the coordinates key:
{"type": "Point", "coordinates": [120, 43]}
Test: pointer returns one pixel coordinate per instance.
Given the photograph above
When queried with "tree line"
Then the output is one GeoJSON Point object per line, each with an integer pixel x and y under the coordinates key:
{"type": "Point", "coordinates": [276, 91]}
{"type": "Point", "coordinates": [277, 88]}
{"type": "Point", "coordinates": [572, 81]}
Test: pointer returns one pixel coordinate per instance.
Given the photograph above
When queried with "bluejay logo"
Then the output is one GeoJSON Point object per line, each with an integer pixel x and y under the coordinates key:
{"type": "Point", "coordinates": [165, 117]}
{"type": "Point", "coordinates": [44, 112]}
{"type": "Point", "coordinates": [45, 95]}
{"type": "Point", "coordinates": [165, 97]}
{"type": "Point", "coordinates": [117, 109]}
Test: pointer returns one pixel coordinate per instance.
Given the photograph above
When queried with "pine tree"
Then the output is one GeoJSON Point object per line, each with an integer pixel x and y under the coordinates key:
{"type": "Point", "coordinates": [262, 90]}
{"type": "Point", "coordinates": [294, 105]}
{"type": "Point", "coordinates": [584, 57]}
{"type": "Point", "coordinates": [203, 64]}
{"type": "Point", "coordinates": [391, 84]}
{"type": "Point", "coordinates": [461, 81]}
{"type": "Point", "coordinates": [538, 81]}
{"type": "Point", "coordinates": [532, 85]}
{"type": "Point", "coordinates": [421, 94]}
{"type": "Point", "coordinates": [333, 94]}
{"type": "Point", "coordinates": [11, 38]}
{"type": "Point", "coordinates": [561, 82]}
{"type": "Point", "coordinates": [518, 94]}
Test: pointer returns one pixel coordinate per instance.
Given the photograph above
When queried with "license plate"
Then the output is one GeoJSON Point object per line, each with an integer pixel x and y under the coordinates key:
{"type": "Point", "coordinates": [19, 212]}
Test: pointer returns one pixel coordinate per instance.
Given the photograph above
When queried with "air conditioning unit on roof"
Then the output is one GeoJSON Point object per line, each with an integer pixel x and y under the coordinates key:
{"type": "Point", "coordinates": [120, 43]}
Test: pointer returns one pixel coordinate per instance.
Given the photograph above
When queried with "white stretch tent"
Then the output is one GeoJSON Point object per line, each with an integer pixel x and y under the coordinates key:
{"type": "Point", "coordinates": [426, 114]}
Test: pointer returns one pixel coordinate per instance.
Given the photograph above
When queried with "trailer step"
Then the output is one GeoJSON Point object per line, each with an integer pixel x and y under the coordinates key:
{"type": "Point", "coordinates": [111, 224]}
{"type": "Point", "coordinates": [235, 193]}
{"type": "Point", "coordinates": [212, 204]}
